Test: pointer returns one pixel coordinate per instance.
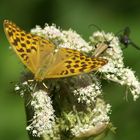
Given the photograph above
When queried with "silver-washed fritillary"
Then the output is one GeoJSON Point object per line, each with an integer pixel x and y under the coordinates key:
{"type": "Point", "coordinates": [41, 58]}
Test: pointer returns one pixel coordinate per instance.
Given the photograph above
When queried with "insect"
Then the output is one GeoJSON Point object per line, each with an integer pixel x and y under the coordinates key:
{"type": "Point", "coordinates": [100, 48]}
{"type": "Point", "coordinates": [125, 38]}
{"type": "Point", "coordinates": [42, 58]}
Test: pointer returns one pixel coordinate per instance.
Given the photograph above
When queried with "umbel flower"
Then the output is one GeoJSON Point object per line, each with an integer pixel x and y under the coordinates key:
{"type": "Point", "coordinates": [74, 108]}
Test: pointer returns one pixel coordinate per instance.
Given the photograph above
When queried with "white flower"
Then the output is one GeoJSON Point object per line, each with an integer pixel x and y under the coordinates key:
{"type": "Point", "coordinates": [64, 39]}
{"type": "Point", "coordinates": [85, 90]}
{"type": "Point", "coordinates": [17, 87]}
{"type": "Point", "coordinates": [89, 93]}
{"type": "Point", "coordinates": [128, 78]}
{"type": "Point", "coordinates": [43, 119]}
{"type": "Point", "coordinates": [52, 32]}
{"type": "Point", "coordinates": [115, 70]}
{"type": "Point", "coordinates": [75, 41]}
{"type": "Point", "coordinates": [97, 122]}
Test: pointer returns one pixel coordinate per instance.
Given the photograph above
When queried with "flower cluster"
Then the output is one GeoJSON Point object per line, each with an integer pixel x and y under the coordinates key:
{"type": "Point", "coordinates": [97, 122]}
{"type": "Point", "coordinates": [62, 38]}
{"type": "Point", "coordinates": [40, 105]}
{"type": "Point", "coordinates": [78, 104]}
{"type": "Point", "coordinates": [88, 91]}
{"type": "Point", "coordinates": [43, 118]}
{"type": "Point", "coordinates": [115, 69]}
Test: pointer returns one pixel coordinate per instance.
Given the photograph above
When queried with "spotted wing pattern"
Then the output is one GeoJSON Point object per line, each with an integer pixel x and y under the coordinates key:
{"type": "Point", "coordinates": [72, 63]}
{"type": "Point", "coordinates": [27, 46]}
{"type": "Point", "coordinates": [41, 57]}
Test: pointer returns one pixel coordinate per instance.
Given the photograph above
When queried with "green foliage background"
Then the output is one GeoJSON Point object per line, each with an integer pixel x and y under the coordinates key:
{"type": "Point", "coordinates": [110, 15]}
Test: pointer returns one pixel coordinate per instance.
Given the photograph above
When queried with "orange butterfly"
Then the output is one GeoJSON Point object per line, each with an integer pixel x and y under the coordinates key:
{"type": "Point", "coordinates": [42, 58]}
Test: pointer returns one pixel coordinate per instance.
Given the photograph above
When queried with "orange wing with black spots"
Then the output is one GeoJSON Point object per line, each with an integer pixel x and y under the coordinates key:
{"type": "Point", "coordinates": [44, 61]}
{"type": "Point", "coordinates": [30, 48]}
{"type": "Point", "coordinates": [72, 63]}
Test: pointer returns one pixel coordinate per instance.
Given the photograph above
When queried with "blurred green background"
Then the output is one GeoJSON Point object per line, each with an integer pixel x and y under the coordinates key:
{"type": "Point", "coordinates": [110, 15]}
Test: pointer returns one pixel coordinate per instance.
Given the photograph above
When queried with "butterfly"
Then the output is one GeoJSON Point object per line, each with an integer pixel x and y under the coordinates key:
{"type": "Point", "coordinates": [42, 58]}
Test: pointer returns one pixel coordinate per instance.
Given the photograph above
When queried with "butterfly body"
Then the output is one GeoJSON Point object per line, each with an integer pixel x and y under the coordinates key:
{"type": "Point", "coordinates": [42, 58]}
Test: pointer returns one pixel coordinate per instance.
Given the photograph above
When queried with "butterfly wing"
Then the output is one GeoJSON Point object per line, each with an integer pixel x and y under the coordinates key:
{"type": "Point", "coordinates": [39, 55]}
{"type": "Point", "coordinates": [69, 62]}
{"type": "Point", "coordinates": [27, 46]}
